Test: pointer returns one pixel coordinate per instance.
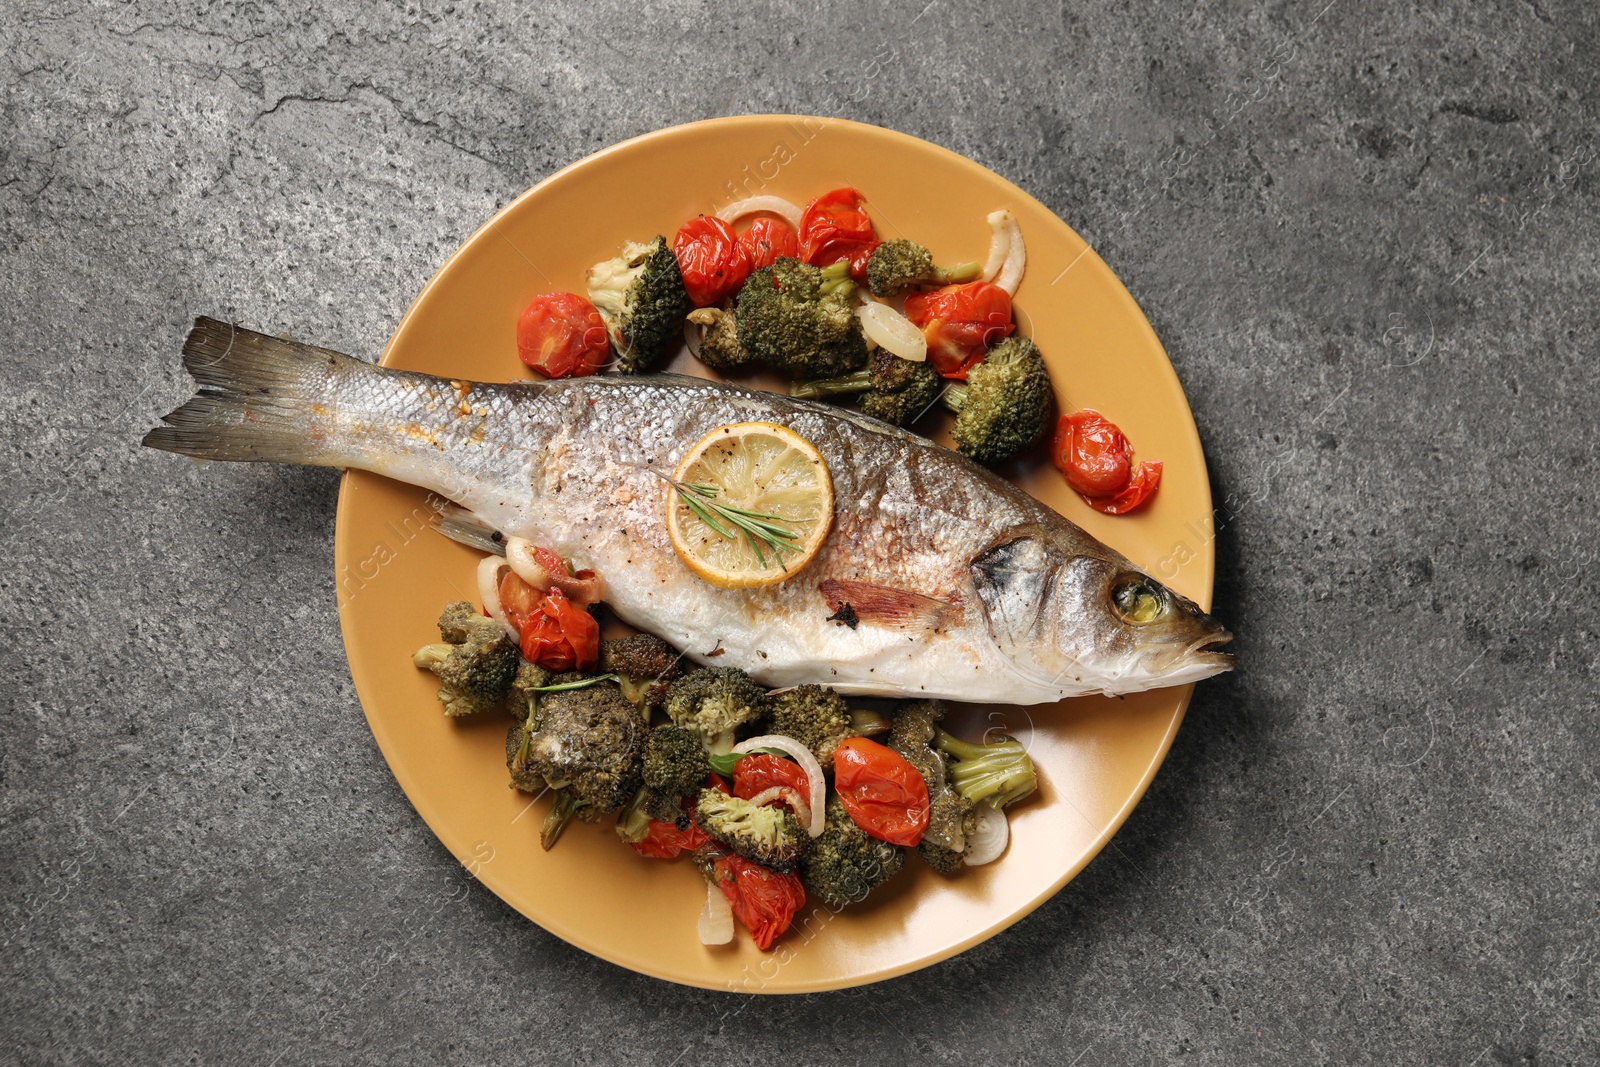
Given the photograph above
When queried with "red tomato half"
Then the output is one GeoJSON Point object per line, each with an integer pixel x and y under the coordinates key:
{"type": "Point", "coordinates": [713, 261]}
{"type": "Point", "coordinates": [1134, 495]}
{"type": "Point", "coordinates": [1093, 454]}
{"type": "Point", "coordinates": [757, 773]}
{"type": "Point", "coordinates": [561, 335]}
{"type": "Point", "coordinates": [882, 792]}
{"type": "Point", "coordinates": [833, 227]}
{"type": "Point", "coordinates": [767, 239]}
{"type": "Point", "coordinates": [556, 634]}
{"type": "Point", "coordinates": [961, 323]}
{"type": "Point", "coordinates": [764, 901]}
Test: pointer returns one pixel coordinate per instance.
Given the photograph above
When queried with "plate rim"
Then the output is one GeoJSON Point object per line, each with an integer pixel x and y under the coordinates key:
{"type": "Point", "coordinates": [486, 876]}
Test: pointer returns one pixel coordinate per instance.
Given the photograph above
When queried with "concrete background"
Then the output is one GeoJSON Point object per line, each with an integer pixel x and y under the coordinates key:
{"type": "Point", "coordinates": [1367, 234]}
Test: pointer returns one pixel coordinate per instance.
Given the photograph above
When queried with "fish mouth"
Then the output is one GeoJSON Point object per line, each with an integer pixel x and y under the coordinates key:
{"type": "Point", "coordinates": [1210, 645]}
{"type": "Point", "coordinates": [1207, 650]}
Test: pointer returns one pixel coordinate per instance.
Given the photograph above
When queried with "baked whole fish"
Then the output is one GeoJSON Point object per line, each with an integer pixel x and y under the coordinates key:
{"type": "Point", "coordinates": [958, 584]}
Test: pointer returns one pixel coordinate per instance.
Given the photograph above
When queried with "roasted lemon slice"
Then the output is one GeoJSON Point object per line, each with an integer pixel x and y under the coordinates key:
{"type": "Point", "coordinates": [749, 505]}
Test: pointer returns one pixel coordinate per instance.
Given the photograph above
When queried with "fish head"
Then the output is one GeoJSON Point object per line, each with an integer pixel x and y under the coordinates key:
{"type": "Point", "coordinates": [1092, 622]}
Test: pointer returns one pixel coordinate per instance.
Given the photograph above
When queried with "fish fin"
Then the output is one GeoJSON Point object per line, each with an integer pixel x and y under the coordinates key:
{"type": "Point", "coordinates": [258, 397]}
{"type": "Point", "coordinates": [856, 602]}
{"type": "Point", "coordinates": [464, 527]}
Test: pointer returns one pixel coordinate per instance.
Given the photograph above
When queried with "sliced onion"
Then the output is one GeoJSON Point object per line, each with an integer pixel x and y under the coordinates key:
{"type": "Point", "coordinates": [489, 592]}
{"type": "Point", "coordinates": [808, 763]}
{"type": "Point", "coordinates": [716, 918]}
{"type": "Point", "coordinates": [583, 588]}
{"type": "Point", "coordinates": [775, 204]}
{"type": "Point", "coordinates": [1008, 275]}
{"type": "Point", "coordinates": [988, 841]}
{"type": "Point", "coordinates": [519, 554]}
{"type": "Point", "coordinates": [789, 795]}
{"type": "Point", "coordinates": [888, 329]}
{"type": "Point", "coordinates": [1016, 263]}
{"type": "Point", "coordinates": [999, 244]}
{"type": "Point", "coordinates": [692, 332]}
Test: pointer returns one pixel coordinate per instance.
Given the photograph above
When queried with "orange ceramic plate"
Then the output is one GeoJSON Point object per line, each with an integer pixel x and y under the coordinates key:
{"type": "Point", "coordinates": [1095, 756]}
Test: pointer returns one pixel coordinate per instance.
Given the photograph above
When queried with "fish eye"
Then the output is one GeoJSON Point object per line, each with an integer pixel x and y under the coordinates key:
{"type": "Point", "coordinates": [1138, 600]}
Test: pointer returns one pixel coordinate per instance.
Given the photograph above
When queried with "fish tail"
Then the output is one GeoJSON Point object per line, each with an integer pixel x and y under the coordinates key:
{"type": "Point", "coordinates": [261, 398]}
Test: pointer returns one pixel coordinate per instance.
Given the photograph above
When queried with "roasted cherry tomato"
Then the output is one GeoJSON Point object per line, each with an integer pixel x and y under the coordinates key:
{"type": "Point", "coordinates": [664, 841]}
{"type": "Point", "coordinates": [556, 634]}
{"type": "Point", "coordinates": [882, 792]}
{"type": "Point", "coordinates": [767, 239]}
{"type": "Point", "coordinates": [561, 335]}
{"type": "Point", "coordinates": [1093, 454]}
{"type": "Point", "coordinates": [961, 323]}
{"type": "Point", "coordinates": [1132, 496]}
{"type": "Point", "coordinates": [833, 227]}
{"type": "Point", "coordinates": [760, 771]}
{"type": "Point", "coordinates": [1097, 461]}
{"type": "Point", "coordinates": [713, 261]}
{"type": "Point", "coordinates": [763, 900]}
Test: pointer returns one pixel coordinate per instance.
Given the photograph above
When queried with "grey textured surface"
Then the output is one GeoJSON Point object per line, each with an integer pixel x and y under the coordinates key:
{"type": "Point", "coordinates": [1369, 238]}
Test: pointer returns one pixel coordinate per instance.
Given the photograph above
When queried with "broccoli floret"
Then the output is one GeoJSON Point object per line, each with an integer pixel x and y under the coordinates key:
{"type": "Point", "coordinates": [997, 774]}
{"type": "Point", "coordinates": [916, 387]}
{"type": "Point", "coordinates": [674, 768]}
{"type": "Point", "coordinates": [761, 833]}
{"type": "Point", "coordinates": [845, 863]}
{"type": "Point", "coordinates": [911, 733]}
{"type": "Point", "coordinates": [798, 318]}
{"type": "Point", "coordinates": [589, 743]}
{"type": "Point", "coordinates": [476, 670]}
{"type": "Point", "coordinates": [1005, 404]}
{"type": "Point", "coordinates": [459, 619]}
{"type": "Point", "coordinates": [815, 716]}
{"type": "Point", "coordinates": [896, 390]}
{"type": "Point", "coordinates": [674, 761]}
{"type": "Point", "coordinates": [641, 298]}
{"type": "Point", "coordinates": [900, 266]}
{"type": "Point", "coordinates": [720, 348]}
{"type": "Point", "coordinates": [944, 860]}
{"type": "Point", "coordinates": [645, 665]}
{"type": "Point", "coordinates": [713, 702]}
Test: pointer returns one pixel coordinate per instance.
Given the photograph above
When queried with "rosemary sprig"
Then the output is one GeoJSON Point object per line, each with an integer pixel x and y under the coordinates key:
{"type": "Point", "coordinates": [758, 528]}
{"type": "Point", "coordinates": [582, 683]}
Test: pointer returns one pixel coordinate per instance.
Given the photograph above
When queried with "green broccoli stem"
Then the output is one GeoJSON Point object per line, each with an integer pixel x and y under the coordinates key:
{"type": "Point", "coordinates": [519, 763]}
{"type": "Point", "coordinates": [564, 807]}
{"type": "Point", "coordinates": [859, 382]}
{"type": "Point", "coordinates": [868, 723]}
{"type": "Point", "coordinates": [531, 719]}
{"type": "Point", "coordinates": [836, 279]}
{"type": "Point", "coordinates": [960, 273]}
{"type": "Point", "coordinates": [997, 774]}
{"type": "Point", "coordinates": [432, 657]}
{"type": "Point", "coordinates": [633, 823]}
{"type": "Point", "coordinates": [954, 397]}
